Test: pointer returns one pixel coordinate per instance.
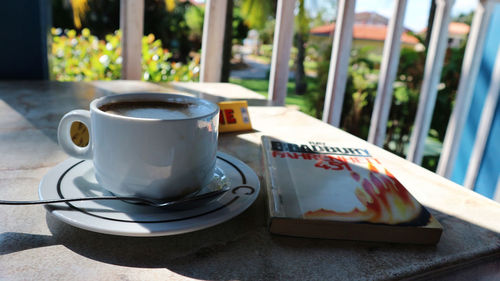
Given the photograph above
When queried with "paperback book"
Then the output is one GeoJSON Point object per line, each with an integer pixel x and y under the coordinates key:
{"type": "Point", "coordinates": [327, 190]}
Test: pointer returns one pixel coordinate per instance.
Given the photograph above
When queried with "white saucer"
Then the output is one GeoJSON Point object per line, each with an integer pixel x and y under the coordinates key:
{"type": "Point", "coordinates": [75, 178]}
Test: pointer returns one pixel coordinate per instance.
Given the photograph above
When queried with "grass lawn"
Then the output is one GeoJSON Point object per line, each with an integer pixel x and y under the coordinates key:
{"type": "Point", "coordinates": [261, 86]}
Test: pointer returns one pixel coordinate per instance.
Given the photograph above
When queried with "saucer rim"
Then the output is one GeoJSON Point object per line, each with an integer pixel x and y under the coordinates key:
{"type": "Point", "coordinates": [197, 222]}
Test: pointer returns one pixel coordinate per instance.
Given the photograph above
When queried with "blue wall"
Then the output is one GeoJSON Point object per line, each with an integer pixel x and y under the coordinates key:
{"type": "Point", "coordinates": [490, 165]}
{"type": "Point", "coordinates": [24, 29]}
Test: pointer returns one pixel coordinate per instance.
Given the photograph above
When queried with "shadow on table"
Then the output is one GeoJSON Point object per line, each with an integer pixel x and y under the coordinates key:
{"type": "Point", "coordinates": [43, 103]}
{"type": "Point", "coordinates": [243, 249]}
{"type": "Point", "coordinates": [15, 242]}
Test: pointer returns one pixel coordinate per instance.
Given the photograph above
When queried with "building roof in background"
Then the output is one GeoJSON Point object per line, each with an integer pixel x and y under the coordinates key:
{"type": "Point", "coordinates": [322, 30]}
{"type": "Point", "coordinates": [364, 32]}
{"type": "Point", "coordinates": [458, 28]}
{"type": "Point", "coordinates": [367, 26]}
{"type": "Point", "coordinates": [455, 28]}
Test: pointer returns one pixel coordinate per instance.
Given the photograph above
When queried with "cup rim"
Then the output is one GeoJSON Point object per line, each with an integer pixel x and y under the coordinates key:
{"type": "Point", "coordinates": [94, 105]}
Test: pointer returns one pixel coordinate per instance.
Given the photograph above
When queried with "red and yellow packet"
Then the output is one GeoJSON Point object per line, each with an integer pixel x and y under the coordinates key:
{"type": "Point", "coordinates": [234, 116]}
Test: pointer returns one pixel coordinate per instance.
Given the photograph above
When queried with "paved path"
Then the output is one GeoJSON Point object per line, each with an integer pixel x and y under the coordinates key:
{"type": "Point", "coordinates": [255, 70]}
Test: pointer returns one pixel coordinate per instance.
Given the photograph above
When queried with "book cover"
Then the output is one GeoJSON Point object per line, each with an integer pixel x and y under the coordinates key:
{"type": "Point", "coordinates": [326, 190]}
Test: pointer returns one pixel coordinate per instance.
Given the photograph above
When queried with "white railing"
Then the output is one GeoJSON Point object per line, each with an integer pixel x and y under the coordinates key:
{"type": "Point", "coordinates": [131, 24]}
{"type": "Point", "coordinates": [283, 36]}
{"type": "Point", "coordinates": [339, 62]}
{"type": "Point", "coordinates": [388, 71]}
{"type": "Point", "coordinates": [213, 40]}
{"type": "Point", "coordinates": [131, 14]}
{"type": "Point", "coordinates": [432, 76]}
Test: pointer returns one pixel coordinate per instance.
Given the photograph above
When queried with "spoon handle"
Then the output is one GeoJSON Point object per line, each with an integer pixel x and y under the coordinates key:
{"type": "Point", "coordinates": [123, 198]}
{"type": "Point", "coordinates": [64, 200]}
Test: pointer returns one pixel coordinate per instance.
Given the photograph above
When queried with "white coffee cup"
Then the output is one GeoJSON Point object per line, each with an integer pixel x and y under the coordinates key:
{"type": "Point", "coordinates": [151, 154]}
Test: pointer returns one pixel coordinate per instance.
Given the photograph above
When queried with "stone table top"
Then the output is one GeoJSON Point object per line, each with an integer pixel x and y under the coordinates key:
{"type": "Point", "coordinates": [35, 245]}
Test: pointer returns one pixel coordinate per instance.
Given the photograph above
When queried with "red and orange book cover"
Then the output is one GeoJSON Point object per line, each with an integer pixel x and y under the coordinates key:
{"type": "Point", "coordinates": [323, 190]}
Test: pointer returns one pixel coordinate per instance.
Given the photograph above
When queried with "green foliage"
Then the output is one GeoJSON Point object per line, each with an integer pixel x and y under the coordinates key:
{"type": "Point", "coordinates": [261, 86]}
{"type": "Point", "coordinates": [84, 58]}
{"type": "Point", "coordinates": [266, 50]}
{"type": "Point", "coordinates": [361, 91]}
{"type": "Point", "coordinates": [267, 32]}
{"type": "Point", "coordinates": [163, 18]}
{"type": "Point", "coordinates": [401, 117]}
{"type": "Point", "coordinates": [302, 19]}
{"type": "Point", "coordinates": [405, 100]}
{"type": "Point", "coordinates": [256, 12]}
{"type": "Point", "coordinates": [315, 99]}
{"type": "Point", "coordinates": [448, 88]}
{"type": "Point", "coordinates": [157, 67]}
{"type": "Point", "coordinates": [102, 17]}
{"type": "Point", "coordinates": [194, 20]}
{"type": "Point", "coordinates": [195, 17]}
{"type": "Point", "coordinates": [170, 27]}
{"type": "Point", "coordinates": [240, 28]}
{"type": "Point", "coordinates": [302, 22]}
{"type": "Point", "coordinates": [465, 18]}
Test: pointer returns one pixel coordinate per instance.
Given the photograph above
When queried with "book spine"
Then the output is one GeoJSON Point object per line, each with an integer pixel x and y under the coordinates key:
{"type": "Point", "coordinates": [272, 191]}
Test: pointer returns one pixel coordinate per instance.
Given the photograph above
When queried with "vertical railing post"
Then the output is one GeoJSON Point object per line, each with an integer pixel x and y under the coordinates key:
{"type": "Point", "coordinates": [339, 63]}
{"type": "Point", "coordinates": [468, 75]}
{"type": "Point", "coordinates": [390, 61]}
{"type": "Point", "coordinates": [213, 40]}
{"type": "Point", "coordinates": [432, 76]}
{"type": "Point", "coordinates": [483, 130]}
{"type": "Point", "coordinates": [131, 25]}
{"type": "Point", "coordinates": [282, 44]}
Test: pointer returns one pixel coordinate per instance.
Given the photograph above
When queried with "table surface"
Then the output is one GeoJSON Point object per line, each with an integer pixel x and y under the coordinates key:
{"type": "Point", "coordinates": [35, 245]}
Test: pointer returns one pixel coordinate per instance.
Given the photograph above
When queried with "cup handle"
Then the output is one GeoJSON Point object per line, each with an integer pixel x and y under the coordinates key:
{"type": "Point", "coordinates": [64, 136]}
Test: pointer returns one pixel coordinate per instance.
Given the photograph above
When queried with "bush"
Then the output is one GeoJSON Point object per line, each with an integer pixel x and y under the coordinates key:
{"type": "Point", "coordinates": [361, 90]}
{"type": "Point", "coordinates": [266, 50]}
{"type": "Point", "coordinates": [84, 58]}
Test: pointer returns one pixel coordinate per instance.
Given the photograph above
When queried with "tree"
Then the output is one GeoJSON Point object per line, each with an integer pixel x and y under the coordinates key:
{"type": "Point", "coordinates": [228, 46]}
{"type": "Point", "coordinates": [164, 18]}
{"type": "Point", "coordinates": [194, 19]}
{"type": "Point", "coordinates": [257, 12]}
{"type": "Point", "coordinates": [102, 17]}
{"type": "Point", "coordinates": [301, 35]}
{"type": "Point", "coordinates": [430, 23]}
{"type": "Point", "coordinates": [465, 18]}
{"type": "Point", "coordinates": [235, 30]}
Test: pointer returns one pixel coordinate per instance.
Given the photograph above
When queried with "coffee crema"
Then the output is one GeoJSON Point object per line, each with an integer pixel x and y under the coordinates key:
{"type": "Point", "coordinates": [155, 109]}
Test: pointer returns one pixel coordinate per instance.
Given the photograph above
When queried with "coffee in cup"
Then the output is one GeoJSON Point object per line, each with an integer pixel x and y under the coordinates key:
{"type": "Point", "coordinates": [151, 145]}
{"type": "Point", "coordinates": [154, 109]}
